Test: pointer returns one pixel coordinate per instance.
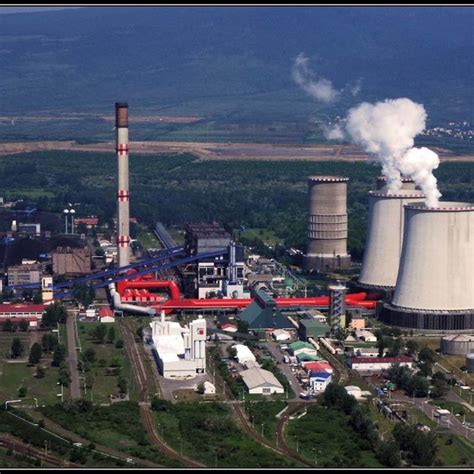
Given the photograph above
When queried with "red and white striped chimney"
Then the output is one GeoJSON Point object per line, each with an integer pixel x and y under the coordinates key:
{"type": "Point", "coordinates": [123, 195]}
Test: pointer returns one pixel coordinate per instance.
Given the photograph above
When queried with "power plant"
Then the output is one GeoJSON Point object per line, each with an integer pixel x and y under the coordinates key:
{"type": "Point", "coordinates": [435, 284]}
{"type": "Point", "coordinates": [327, 224]}
{"type": "Point", "coordinates": [385, 237]}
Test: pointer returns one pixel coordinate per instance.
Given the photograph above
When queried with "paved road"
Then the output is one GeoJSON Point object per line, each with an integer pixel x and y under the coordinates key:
{"type": "Point", "coordinates": [72, 354]}
{"type": "Point", "coordinates": [429, 409]}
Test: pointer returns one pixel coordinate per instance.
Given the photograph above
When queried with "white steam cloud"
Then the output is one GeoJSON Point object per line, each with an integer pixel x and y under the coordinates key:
{"type": "Point", "coordinates": [387, 131]}
{"type": "Point", "coordinates": [320, 89]}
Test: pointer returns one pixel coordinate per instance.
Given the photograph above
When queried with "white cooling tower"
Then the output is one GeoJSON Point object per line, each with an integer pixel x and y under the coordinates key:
{"type": "Point", "coordinates": [385, 237]}
{"type": "Point", "coordinates": [435, 284]}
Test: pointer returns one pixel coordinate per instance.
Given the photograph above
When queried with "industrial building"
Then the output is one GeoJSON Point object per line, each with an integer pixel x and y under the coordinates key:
{"type": "Point", "coordinates": [215, 276]}
{"type": "Point", "coordinates": [244, 354]}
{"type": "Point", "coordinates": [318, 381]}
{"type": "Point", "coordinates": [180, 351]}
{"type": "Point", "coordinates": [260, 381]}
{"type": "Point", "coordinates": [24, 274]}
{"type": "Point", "coordinates": [435, 284]}
{"type": "Point", "coordinates": [457, 344]}
{"type": "Point", "coordinates": [327, 224]}
{"type": "Point", "coordinates": [312, 328]}
{"type": "Point", "coordinates": [377, 364]}
{"type": "Point", "coordinates": [33, 313]}
{"type": "Point", "coordinates": [470, 363]}
{"type": "Point", "coordinates": [385, 237]}
{"type": "Point", "coordinates": [71, 261]}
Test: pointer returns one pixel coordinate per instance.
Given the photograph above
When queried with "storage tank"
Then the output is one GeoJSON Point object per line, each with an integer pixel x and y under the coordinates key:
{"type": "Point", "coordinates": [435, 283]}
{"type": "Point", "coordinates": [457, 344]}
{"type": "Point", "coordinates": [385, 237]}
{"type": "Point", "coordinates": [407, 183]}
{"type": "Point", "coordinates": [327, 224]}
{"type": "Point", "coordinates": [470, 363]}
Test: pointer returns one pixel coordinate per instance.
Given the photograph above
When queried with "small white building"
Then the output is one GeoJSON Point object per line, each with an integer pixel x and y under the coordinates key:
{"type": "Point", "coordinates": [365, 335]}
{"type": "Point", "coordinates": [281, 335]}
{"type": "Point", "coordinates": [244, 354]}
{"type": "Point", "coordinates": [261, 381]}
{"type": "Point", "coordinates": [319, 381]}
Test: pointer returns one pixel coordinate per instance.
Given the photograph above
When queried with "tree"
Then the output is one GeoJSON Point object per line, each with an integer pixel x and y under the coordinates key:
{"type": "Point", "coordinates": [22, 392]}
{"type": "Point", "coordinates": [64, 377]}
{"type": "Point", "coordinates": [17, 348]}
{"type": "Point", "coordinates": [24, 325]}
{"type": "Point", "coordinates": [8, 325]}
{"type": "Point", "coordinates": [419, 386]}
{"type": "Point", "coordinates": [427, 355]}
{"type": "Point", "coordinates": [40, 372]}
{"type": "Point", "coordinates": [55, 313]}
{"type": "Point", "coordinates": [395, 347]}
{"type": "Point", "coordinates": [412, 347]}
{"type": "Point", "coordinates": [111, 334]}
{"type": "Point", "coordinates": [242, 326]}
{"type": "Point", "coordinates": [119, 344]}
{"type": "Point", "coordinates": [89, 355]}
{"type": "Point", "coordinates": [49, 342]}
{"type": "Point", "coordinates": [440, 385]}
{"type": "Point", "coordinates": [100, 332]}
{"type": "Point", "coordinates": [59, 354]}
{"type": "Point", "coordinates": [35, 353]}
{"type": "Point", "coordinates": [89, 380]}
{"type": "Point", "coordinates": [200, 388]}
{"type": "Point", "coordinates": [38, 297]}
{"type": "Point", "coordinates": [389, 454]}
{"type": "Point", "coordinates": [139, 332]}
{"type": "Point", "coordinates": [232, 351]}
{"type": "Point", "coordinates": [83, 293]}
{"type": "Point", "coordinates": [122, 384]}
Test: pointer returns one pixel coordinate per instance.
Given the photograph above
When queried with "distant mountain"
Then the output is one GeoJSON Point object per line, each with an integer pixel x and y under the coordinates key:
{"type": "Point", "coordinates": [234, 63]}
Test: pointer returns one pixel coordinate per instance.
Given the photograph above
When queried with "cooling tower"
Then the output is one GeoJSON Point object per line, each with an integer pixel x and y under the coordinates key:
{"type": "Point", "coordinates": [435, 284]}
{"type": "Point", "coordinates": [384, 237]}
{"type": "Point", "coordinates": [327, 224]}
{"type": "Point", "coordinates": [123, 195]}
{"type": "Point", "coordinates": [407, 183]}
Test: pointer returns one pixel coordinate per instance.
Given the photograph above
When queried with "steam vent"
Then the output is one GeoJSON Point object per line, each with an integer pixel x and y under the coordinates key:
{"type": "Point", "coordinates": [327, 224]}
{"type": "Point", "coordinates": [407, 183]}
{"type": "Point", "coordinates": [385, 237]}
{"type": "Point", "coordinates": [435, 284]}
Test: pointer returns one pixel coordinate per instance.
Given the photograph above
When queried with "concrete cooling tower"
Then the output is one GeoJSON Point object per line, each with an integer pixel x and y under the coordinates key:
{"type": "Point", "coordinates": [407, 183]}
{"type": "Point", "coordinates": [327, 224]}
{"type": "Point", "coordinates": [385, 237]}
{"type": "Point", "coordinates": [435, 284]}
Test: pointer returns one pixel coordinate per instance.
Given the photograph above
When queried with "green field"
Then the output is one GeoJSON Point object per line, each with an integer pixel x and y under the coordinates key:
{"type": "Point", "coordinates": [6, 343]}
{"type": "Point", "coordinates": [208, 433]}
{"type": "Point", "coordinates": [117, 426]}
{"type": "Point", "coordinates": [266, 235]}
{"type": "Point", "coordinates": [147, 238]}
{"type": "Point", "coordinates": [103, 384]}
{"type": "Point", "coordinates": [265, 413]}
{"type": "Point", "coordinates": [323, 435]}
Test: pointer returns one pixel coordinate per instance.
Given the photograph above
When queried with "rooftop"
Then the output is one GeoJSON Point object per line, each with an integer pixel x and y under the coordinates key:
{"type": "Point", "coordinates": [255, 377]}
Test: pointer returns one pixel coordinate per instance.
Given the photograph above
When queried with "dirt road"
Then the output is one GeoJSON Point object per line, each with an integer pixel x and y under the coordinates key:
{"type": "Point", "coordinates": [219, 151]}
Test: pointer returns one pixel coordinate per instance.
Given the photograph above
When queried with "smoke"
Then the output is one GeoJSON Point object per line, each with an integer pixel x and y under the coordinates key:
{"type": "Point", "coordinates": [387, 131]}
{"type": "Point", "coordinates": [320, 89]}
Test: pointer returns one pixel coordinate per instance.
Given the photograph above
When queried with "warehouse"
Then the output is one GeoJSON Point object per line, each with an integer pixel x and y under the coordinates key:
{"type": "Point", "coordinates": [378, 364]}
{"type": "Point", "coordinates": [312, 328]}
{"type": "Point", "coordinates": [298, 347]}
{"type": "Point", "coordinates": [260, 381]}
{"type": "Point", "coordinates": [244, 354]}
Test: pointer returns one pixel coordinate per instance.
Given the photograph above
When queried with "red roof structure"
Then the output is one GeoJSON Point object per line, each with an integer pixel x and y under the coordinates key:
{"type": "Point", "coordinates": [105, 311]}
{"type": "Point", "coordinates": [22, 308]}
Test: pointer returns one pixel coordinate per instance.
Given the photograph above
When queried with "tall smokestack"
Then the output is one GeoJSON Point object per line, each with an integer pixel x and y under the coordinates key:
{"type": "Point", "coordinates": [327, 224]}
{"type": "Point", "coordinates": [123, 195]}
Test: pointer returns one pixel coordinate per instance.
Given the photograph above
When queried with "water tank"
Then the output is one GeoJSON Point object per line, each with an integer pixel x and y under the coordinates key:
{"type": "Point", "coordinates": [457, 344]}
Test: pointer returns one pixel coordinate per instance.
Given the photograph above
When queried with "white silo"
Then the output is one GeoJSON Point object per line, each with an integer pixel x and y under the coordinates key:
{"type": "Point", "coordinates": [385, 237]}
{"type": "Point", "coordinates": [435, 284]}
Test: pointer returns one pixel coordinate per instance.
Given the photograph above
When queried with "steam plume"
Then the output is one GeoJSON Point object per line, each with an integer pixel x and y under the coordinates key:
{"type": "Point", "coordinates": [387, 130]}
{"type": "Point", "coordinates": [320, 89]}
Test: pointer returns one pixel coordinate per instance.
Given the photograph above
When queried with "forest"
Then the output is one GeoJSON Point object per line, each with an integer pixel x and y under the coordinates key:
{"type": "Point", "coordinates": [177, 189]}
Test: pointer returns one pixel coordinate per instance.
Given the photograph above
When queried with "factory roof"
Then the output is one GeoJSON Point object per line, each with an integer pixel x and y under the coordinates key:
{"type": "Point", "coordinates": [321, 366]}
{"type": "Point", "coordinates": [301, 345]}
{"type": "Point", "coordinates": [312, 323]}
{"type": "Point", "coordinates": [207, 230]}
{"type": "Point", "coordinates": [22, 308]}
{"type": "Point", "coordinates": [256, 377]}
{"type": "Point", "coordinates": [243, 353]}
{"type": "Point", "coordinates": [386, 360]}
{"type": "Point", "coordinates": [321, 375]}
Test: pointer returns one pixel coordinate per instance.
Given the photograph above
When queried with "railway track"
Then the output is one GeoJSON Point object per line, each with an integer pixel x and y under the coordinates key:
{"type": "Point", "coordinates": [139, 372]}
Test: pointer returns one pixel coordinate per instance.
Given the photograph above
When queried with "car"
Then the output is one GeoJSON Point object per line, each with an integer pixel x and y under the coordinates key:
{"type": "Point", "coordinates": [304, 395]}
{"type": "Point", "coordinates": [77, 445]}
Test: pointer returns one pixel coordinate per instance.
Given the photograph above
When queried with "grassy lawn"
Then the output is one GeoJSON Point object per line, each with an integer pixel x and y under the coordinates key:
{"type": "Point", "coordinates": [104, 384]}
{"type": "Point", "coordinates": [208, 433]}
{"type": "Point", "coordinates": [117, 426]}
{"type": "Point", "coordinates": [265, 412]}
{"type": "Point", "coordinates": [147, 238]}
{"type": "Point", "coordinates": [325, 434]}
{"type": "Point", "coordinates": [266, 235]}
